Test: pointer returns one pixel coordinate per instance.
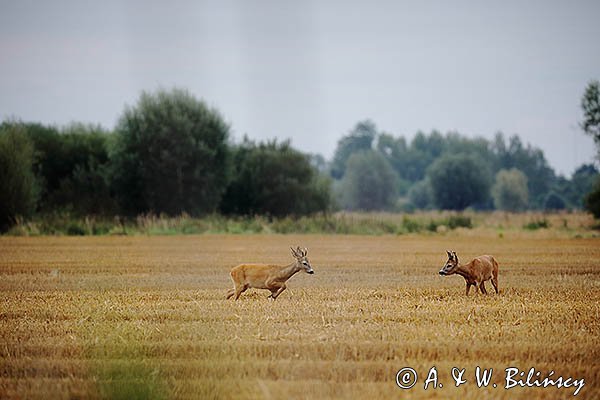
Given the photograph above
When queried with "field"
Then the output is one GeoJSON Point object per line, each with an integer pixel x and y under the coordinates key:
{"type": "Point", "coordinates": [146, 317]}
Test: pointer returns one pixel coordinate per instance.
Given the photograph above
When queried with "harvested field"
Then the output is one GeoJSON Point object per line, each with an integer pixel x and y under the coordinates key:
{"type": "Point", "coordinates": [146, 317]}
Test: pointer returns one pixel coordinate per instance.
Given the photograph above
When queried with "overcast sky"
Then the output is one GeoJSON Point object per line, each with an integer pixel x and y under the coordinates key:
{"type": "Point", "coordinates": [309, 70]}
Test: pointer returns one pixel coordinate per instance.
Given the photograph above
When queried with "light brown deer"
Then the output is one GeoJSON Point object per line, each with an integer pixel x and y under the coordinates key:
{"type": "Point", "coordinates": [476, 272]}
{"type": "Point", "coordinates": [268, 276]}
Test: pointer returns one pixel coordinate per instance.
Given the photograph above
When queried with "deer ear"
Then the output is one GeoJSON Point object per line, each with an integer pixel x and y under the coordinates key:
{"type": "Point", "coordinates": [449, 253]}
{"type": "Point", "coordinates": [305, 252]}
{"type": "Point", "coordinates": [294, 254]}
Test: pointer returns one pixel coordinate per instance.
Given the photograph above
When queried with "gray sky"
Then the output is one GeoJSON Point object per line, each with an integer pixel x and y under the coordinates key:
{"type": "Point", "coordinates": [310, 70]}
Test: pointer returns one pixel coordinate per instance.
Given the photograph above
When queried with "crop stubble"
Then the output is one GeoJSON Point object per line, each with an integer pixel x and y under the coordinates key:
{"type": "Point", "coordinates": [91, 317]}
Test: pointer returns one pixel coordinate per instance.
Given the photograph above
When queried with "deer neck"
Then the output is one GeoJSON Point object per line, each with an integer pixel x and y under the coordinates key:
{"type": "Point", "coordinates": [287, 271]}
{"type": "Point", "coordinates": [463, 270]}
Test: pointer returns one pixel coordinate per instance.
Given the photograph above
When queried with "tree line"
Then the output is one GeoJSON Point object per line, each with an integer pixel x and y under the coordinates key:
{"type": "Point", "coordinates": [375, 170]}
{"type": "Point", "coordinates": [171, 154]}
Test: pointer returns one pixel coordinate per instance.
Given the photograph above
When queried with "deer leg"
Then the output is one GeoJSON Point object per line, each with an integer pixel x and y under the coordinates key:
{"type": "Point", "coordinates": [239, 290]}
{"type": "Point", "coordinates": [278, 292]}
{"type": "Point", "coordinates": [230, 293]}
{"type": "Point", "coordinates": [495, 284]}
{"type": "Point", "coordinates": [482, 287]}
{"type": "Point", "coordinates": [468, 288]}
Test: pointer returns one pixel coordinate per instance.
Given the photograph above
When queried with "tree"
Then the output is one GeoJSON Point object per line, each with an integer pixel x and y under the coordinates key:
{"type": "Point", "coordinates": [459, 181]}
{"type": "Point", "coordinates": [590, 103]}
{"type": "Point", "coordinates": [359, 139]}
{"type": "Point", "coordinates": [592, 200]}
{"type": "Point", "coordinates": [554, 201]}
{"type": "Point", "coordinates": [86, 187]}
{"type": "Point", "coordinates": [370, 183]}
{"type": "Point", "coordinates": [70, 166]}
{"type": "Point", "coordinates": [529, 160]}
{"type": "Point", "coordinates": [421, 195]}
{"type": "Point", "coordinates": [274, 179]}
{"type": "Point", "coordinates": [573, 190]}
{"type": "Point", "coordinates": [170, 156]}
{"type": "Point", "coordinates": [510, 190]}
{"type": "Point", "coordinates": [18, 186]}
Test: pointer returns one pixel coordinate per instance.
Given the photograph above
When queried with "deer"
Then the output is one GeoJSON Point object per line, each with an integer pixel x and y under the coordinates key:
{"type": "Point", "coordinates": [268, 276]}
{"type": "Point", "coordinates": [476, 272]}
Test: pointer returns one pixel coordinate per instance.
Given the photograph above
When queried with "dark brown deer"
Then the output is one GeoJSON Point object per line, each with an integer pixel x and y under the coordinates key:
{"type": "Point", "coordinates": [268, 276]}
{"type": "Point", "coordinates": [476, 272]}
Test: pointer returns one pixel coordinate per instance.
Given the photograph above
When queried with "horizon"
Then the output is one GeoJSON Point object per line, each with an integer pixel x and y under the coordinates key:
{"type": "Point", "coordinates": [309, 72]}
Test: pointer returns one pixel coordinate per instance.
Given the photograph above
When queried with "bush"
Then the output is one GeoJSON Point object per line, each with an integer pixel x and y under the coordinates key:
{"type": "Point", "coordinates": [459, 221]}
{"type": "Point", "coordinates": [538, 224]}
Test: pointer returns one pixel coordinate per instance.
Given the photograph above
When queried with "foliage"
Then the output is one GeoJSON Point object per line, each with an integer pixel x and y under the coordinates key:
{"type": "Point", "coordinates": [574, 190]}
{"type": "Point", "coordinates": [359, 139]}
{"type": "Point", "coordinates": [421, 195]}
{"type": "Point", "coordinates": [369, 183]}
{"type": "Point", "coordinates": [510, 190]}
{"type": "Point", "coordinates": [61, 224]}
{"type": "Point", "coordinates": [171, 155]}
{"type": "Point", "coordinates": [554, 201]}
{"type": "Point", "coordinates": [18, 186]}
{"type": "Point", "coordinates": [411, 160]}
{"type": "Point", "coordinates": [459, 181]}
{"type": "Point", "coordinates": [530, 161]}
{"type": "Point", "coordinates": [274, 179]}
{"type": "Point", "coordinates": [71, 166]}
{"type": "Point", "coordinates": [590, 104]}
{"type": "Point", "coordinates": [537, 224]}
{"type": "Point", "coordinates": [592, 200]}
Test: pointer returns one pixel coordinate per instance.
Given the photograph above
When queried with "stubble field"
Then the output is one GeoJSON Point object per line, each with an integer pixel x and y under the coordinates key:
{"type": "Point", "coordinates": [146, 317]}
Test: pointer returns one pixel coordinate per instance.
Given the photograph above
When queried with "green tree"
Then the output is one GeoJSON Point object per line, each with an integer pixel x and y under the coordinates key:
{"type": "Point", "coordinates": [274, 179]}
{"type": "Point", "coordinates": [590, 104]}
{"type": "Point", "coordinates": [18, 186]}
{"type": "Point", "coordinates": [421, 195]}
{"type": "Point", "coordinates": [360, 138]}
{"type": "Point", "coordinates": [510, 190]}
{"type": "Point", "coordinates": [573, 190]}
{"type": "Point", "coordinates": [527, 159]}
{"type": "Point", "coordinates": [459, 181]}
{"type": "Point", "coordinates": [49, 164]}
{"type": "Point", "coordinates": [554, 201]}
{"type": "Point", "coordinates": [70, 166]}
{"type": "Point", "coordinates": [582, 182]}
{"type": "Point", "coordinates": [84, 186]}
{"type": "Point", "coordinates": [417, 159]}
{"type": "Point", "coordinates": [170, 156]}
{"type": "Point", "coordinates": [592, 200]}
{"type": "Point", "coordinates": [369, 183]}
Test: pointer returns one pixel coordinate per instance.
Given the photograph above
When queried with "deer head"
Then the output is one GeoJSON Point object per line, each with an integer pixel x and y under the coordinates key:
{"type": "Point", "coordinates": [301, 260]}
{"type": "Point", "coordinates": [451, 264]}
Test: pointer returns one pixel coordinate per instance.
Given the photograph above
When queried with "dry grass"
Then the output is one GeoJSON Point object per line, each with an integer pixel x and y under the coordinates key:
{"type": "Point", "coordinates": [146, 317]}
